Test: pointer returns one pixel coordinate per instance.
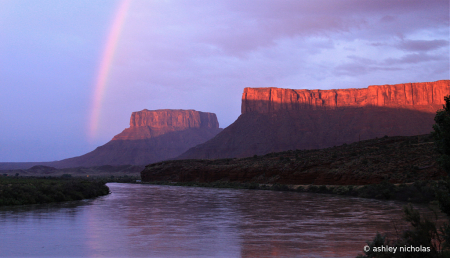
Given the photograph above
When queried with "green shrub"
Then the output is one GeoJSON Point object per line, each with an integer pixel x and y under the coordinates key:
{"type": "Point", "coordinates": [342, 190]}
{"type": "Point", "coordinates": [253, 186]}
{"type": "Point", "coordinates": [16, 191]}
{"type": "Point", "coordinates": [385, 191]}
{"type": "Point", "coordinates": [423, 232]}
{"type": "Point", "coordinates": [280, 187]}
{"type": "Point", "coordinates": [322, 189]}
{"type": "Point", "coordinates": [300, 189]}
{"type": "Point", "coordinates": [313, 188]}
{"type": "Point", "coordinates": [441, 134]}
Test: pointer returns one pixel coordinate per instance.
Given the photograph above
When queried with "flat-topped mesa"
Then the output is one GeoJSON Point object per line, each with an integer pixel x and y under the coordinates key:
{"type": "Point", "coordinates": [424, 96]}
{"type": "Point", "coordinates": [174, 118]}
{"type": "Point", "coordinates": [147, 124]}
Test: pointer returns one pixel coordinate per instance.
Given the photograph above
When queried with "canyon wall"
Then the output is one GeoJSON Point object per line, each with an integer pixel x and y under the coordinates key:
{"type": "Point", "coordinates": [275, 119]}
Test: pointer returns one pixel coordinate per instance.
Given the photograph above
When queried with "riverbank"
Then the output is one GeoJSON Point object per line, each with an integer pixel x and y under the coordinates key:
{"type": "Point", "coordinates": [95, 171]}
{"type": "Point", "coordinates": [32, 190]}
{"type": "Point", "coordinates": [417, 192]}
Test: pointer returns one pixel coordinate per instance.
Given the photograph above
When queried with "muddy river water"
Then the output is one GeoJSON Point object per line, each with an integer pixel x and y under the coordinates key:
{"type": "Point", "coordinates": [140, 220]}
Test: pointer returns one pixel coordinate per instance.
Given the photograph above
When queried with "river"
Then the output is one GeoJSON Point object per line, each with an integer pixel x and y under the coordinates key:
{"type": "Point", "coordinates": [141, 220]}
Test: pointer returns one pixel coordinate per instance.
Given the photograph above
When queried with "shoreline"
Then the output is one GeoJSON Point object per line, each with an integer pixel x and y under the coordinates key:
{"type": "Point", "coordinates": [418, 192]}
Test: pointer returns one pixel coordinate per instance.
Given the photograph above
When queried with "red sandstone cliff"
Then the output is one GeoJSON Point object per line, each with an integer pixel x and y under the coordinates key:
{"type": "Point", "coordinates": [153, 135]}
{"type": "Point", "coordinates": [276, 119]}
{"type": "Point", "coordinates": [174, 118]}
{"type": "Point", "coordinates": [423, 96]}
{"type": "Point", "coordinates": [148, 124]}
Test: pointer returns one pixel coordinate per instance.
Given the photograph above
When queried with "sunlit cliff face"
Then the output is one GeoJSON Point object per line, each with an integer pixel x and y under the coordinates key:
{"type": "Point", "coordinates": [146, 124]}
{"type": "Point", "coordinates": [426, 96]}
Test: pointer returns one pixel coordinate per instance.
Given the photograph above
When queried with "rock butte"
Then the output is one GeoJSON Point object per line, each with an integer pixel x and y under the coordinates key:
{"type": "Point", "coordinates": [153, 135]}
{"type": "Point", "coordinates": [148, 124]}
{"type": "Point", "coordinates": [275, 119]}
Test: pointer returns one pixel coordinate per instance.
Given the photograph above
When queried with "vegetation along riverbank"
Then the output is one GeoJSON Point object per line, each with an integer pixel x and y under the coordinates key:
{"type": "Point", "coordinates": [418, 192]}
{"type": "Point", "coordinates": [31, 190]}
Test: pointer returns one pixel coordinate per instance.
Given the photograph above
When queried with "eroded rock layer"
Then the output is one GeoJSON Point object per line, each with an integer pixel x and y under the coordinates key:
{"type": "Point", "coordinates": [274, 119]}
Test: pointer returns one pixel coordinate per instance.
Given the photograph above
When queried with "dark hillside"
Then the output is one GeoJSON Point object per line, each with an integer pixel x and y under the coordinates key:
{"type": "Point", "coordinates": [399, 159]}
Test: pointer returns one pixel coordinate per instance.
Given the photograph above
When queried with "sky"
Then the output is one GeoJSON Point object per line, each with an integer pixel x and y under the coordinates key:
{"type": "Point", "coordinates": [72, 72]}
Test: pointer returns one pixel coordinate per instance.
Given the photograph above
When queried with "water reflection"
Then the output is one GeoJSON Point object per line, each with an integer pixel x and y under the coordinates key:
{"type": "Point", "coordinates": [166, 221]}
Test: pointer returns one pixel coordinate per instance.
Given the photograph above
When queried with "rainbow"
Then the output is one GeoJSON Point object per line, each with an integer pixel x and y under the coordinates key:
{"type": "Point", "coordinates": [105, 66]}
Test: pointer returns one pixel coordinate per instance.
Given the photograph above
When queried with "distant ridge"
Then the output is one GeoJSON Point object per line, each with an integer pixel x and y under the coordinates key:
{"type": "Point", "coordinates": [274, 119]}
{"type": "Point", "coordinates": [20, 165]}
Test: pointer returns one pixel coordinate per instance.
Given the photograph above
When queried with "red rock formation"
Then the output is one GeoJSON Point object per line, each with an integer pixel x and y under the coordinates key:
{"type": "Point", "coordinates": [174, 118]}
{"type": "Point", "coordinates": [147, 124]}
{"type": "Point", "coordinates": [424, 96]}
{"type": "Point", "coordinates": [275, 119]}
{"type": "Point", "coordinates": [153, 135]}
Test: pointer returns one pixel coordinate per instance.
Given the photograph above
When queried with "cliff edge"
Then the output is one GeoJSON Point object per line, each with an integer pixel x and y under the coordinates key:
{"type": "Point", "coordinates": [422, 96]}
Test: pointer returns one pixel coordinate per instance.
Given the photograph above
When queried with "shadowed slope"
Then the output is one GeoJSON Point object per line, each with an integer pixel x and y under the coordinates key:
{"type": "Point", "coordinates": [399, 159]}
{"type": "Point", "coordinates": [255, 133]}
{"type": "Point", "coordinates": [144, 151]}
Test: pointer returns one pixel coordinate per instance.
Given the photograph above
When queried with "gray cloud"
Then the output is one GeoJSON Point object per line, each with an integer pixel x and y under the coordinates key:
{"type": "Point", "coordinates": [414, 59]}
{"type": "Point", "coordinates": [423, 45]}
{"type": "Point", "coordinates": [358, 69]}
